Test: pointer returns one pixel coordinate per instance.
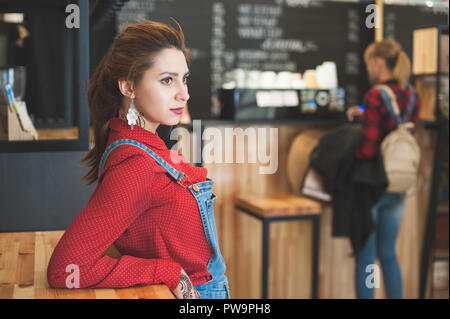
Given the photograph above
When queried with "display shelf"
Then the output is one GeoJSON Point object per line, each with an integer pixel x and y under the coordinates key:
{"type": "Point", "coordinates": [276, 122]}
{"type": "Point", "coordinates": [429, 250]}
{"type": "Point", "coordinates": [433, 124]}
{"type": "Point", "coordinates": [442, 209]}
{"type": "Point", "coordinates": [77, 52]}
{"type": "Point", "coordinates": [431, 74]}
{"type": "Point", "coordinates": [440, 254]}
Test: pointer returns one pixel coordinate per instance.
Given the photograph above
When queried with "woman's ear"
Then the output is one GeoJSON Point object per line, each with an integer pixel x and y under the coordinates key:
{"type": "Point", "coordinates": [126, 88]}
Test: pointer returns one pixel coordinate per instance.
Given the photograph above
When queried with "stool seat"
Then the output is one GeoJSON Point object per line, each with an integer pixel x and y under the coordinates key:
{"type": "Point", "coordinates": [276, 207]}
{"type": "Point", "coordinates": [278, 204]}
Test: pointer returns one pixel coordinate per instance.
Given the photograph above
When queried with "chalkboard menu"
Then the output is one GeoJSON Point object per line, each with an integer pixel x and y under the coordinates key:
{"type": "Point", "coordinates": [275, 35]}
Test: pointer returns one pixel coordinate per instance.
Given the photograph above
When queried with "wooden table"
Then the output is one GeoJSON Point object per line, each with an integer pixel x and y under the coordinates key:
{"type": "Point", "coordinates": [23, 272]}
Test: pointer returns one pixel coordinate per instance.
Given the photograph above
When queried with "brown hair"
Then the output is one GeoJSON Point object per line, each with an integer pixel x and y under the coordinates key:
{"type": "Point", "coordinates": [128, 57]}
{"type": "Point", "coordinates": [396, 59]}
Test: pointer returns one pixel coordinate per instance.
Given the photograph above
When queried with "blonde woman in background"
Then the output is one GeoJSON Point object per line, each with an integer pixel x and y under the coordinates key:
{"type": "Point", "coordinates": [386, 64]}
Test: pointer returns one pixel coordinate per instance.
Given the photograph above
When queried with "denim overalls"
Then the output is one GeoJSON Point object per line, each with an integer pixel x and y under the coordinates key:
{"type": "Point", "coordinates": [217, 287]}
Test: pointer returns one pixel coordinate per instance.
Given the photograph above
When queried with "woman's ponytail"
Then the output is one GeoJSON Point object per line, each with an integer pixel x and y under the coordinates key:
{"type": "Point", "coordinates": [99, 97]}
{"type": "Point", "coordinates": [402, 69]}
{"type": "Point", "coordinates": [397, 61]}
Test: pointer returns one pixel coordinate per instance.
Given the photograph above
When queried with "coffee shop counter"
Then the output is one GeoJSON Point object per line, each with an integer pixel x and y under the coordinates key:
{"type": "Point", "coordinates": [264, 171]}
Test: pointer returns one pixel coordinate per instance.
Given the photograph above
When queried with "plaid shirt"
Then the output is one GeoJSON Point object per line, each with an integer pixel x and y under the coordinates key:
{"type": "Point", "coordinates": [377, 122]}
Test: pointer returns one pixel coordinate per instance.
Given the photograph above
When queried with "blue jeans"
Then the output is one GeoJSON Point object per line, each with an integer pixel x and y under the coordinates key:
{"type": "Point", "coordinates": [387, 214]}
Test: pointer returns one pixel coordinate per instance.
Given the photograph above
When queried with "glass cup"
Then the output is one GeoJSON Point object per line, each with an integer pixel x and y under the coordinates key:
{"type": "Point", "coordinates": [16, 77]}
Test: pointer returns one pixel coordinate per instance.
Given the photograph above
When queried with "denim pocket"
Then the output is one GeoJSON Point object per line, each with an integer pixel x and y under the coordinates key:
{"type": "Point", "coordinates": [214, 291]}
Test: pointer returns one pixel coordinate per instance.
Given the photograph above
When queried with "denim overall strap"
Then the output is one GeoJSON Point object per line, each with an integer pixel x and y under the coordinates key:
{"type": "Point", "coordinates": [172, 171]}
{"type": "Point", "coordinates": [217, 287]}
{"type": "Point", "coordinates": [205, 198]}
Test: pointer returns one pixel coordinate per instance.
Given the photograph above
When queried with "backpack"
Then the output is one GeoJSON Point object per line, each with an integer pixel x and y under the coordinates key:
{"type": "Point", "coordinates": [399, 149]}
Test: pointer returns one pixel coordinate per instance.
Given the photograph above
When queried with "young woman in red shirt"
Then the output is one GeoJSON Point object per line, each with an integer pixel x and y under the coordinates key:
{"type": "Point", "coordinates": [389, 65]}
{"type": "Point", "coordinates": [154, 207]}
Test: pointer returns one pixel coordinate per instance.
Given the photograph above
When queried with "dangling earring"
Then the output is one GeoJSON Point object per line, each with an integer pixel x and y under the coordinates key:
{"type": "Point", "coordinates": [132, 115]}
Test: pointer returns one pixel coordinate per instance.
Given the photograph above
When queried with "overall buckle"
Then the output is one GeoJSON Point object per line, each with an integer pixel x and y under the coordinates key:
{"type": "Point", "coordinates": [181, 181]}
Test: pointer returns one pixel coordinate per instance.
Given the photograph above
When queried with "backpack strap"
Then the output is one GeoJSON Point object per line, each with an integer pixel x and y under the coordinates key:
{"type": "Point", "coordinates": [412, 103]}
{"type": "Point", "coordinates": [391, 103]}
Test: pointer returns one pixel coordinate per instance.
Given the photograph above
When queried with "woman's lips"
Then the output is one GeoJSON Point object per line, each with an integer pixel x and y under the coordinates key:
{"type": "Point", "coordinates": [177, 110]}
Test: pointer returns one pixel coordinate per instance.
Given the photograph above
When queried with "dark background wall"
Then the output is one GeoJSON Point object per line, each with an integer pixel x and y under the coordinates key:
{"type": "Point", "coordinates": [41, 191]}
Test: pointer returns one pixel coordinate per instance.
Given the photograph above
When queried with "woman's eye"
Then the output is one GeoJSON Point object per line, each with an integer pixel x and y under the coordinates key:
{"type": "Point", "coordinates": [185, 80]}
{"type": "Point", "coordinates": [166, 80]}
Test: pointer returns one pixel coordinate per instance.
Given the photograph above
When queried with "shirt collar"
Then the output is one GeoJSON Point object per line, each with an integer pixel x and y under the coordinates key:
{"type": "Point", "coordinates": [139, 134]}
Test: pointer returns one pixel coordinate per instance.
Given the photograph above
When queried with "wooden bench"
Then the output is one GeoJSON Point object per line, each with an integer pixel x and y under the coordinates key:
{"type": "Point", "coordinates": [23, 272]}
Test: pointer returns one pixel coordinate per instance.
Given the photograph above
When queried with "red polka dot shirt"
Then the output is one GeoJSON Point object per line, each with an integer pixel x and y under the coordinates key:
{"type": "Point", "coordinates": [154, 222]}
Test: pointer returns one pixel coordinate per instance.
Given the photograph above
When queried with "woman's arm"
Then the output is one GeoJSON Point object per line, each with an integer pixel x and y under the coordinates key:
{"type": "Point", "coordinates": [122, 195]}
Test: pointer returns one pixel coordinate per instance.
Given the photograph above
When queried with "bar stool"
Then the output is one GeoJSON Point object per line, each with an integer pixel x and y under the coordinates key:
{"type": "Point", "coordinates": [288, 206]}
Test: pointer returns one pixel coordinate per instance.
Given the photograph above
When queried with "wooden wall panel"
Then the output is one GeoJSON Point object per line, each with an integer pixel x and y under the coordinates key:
{"type": "Point", "coordinates": [425, 51]}
{"type": "Point", "coordinates": [426, 89]}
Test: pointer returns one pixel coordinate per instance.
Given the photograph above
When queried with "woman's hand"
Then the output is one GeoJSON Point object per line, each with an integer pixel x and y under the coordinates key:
{"type": "Point", "coordinates": [185, 289]}
{"type": "Point", "coordinates": [354, 111]}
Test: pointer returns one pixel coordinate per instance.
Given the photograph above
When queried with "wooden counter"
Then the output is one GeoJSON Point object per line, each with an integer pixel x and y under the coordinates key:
{"type": "Point", "coordinates": [58, 134]}
{"type": "Point", "coordinates": [23, 272]}
{"type": "Point", "coordinates": [62, 134]}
